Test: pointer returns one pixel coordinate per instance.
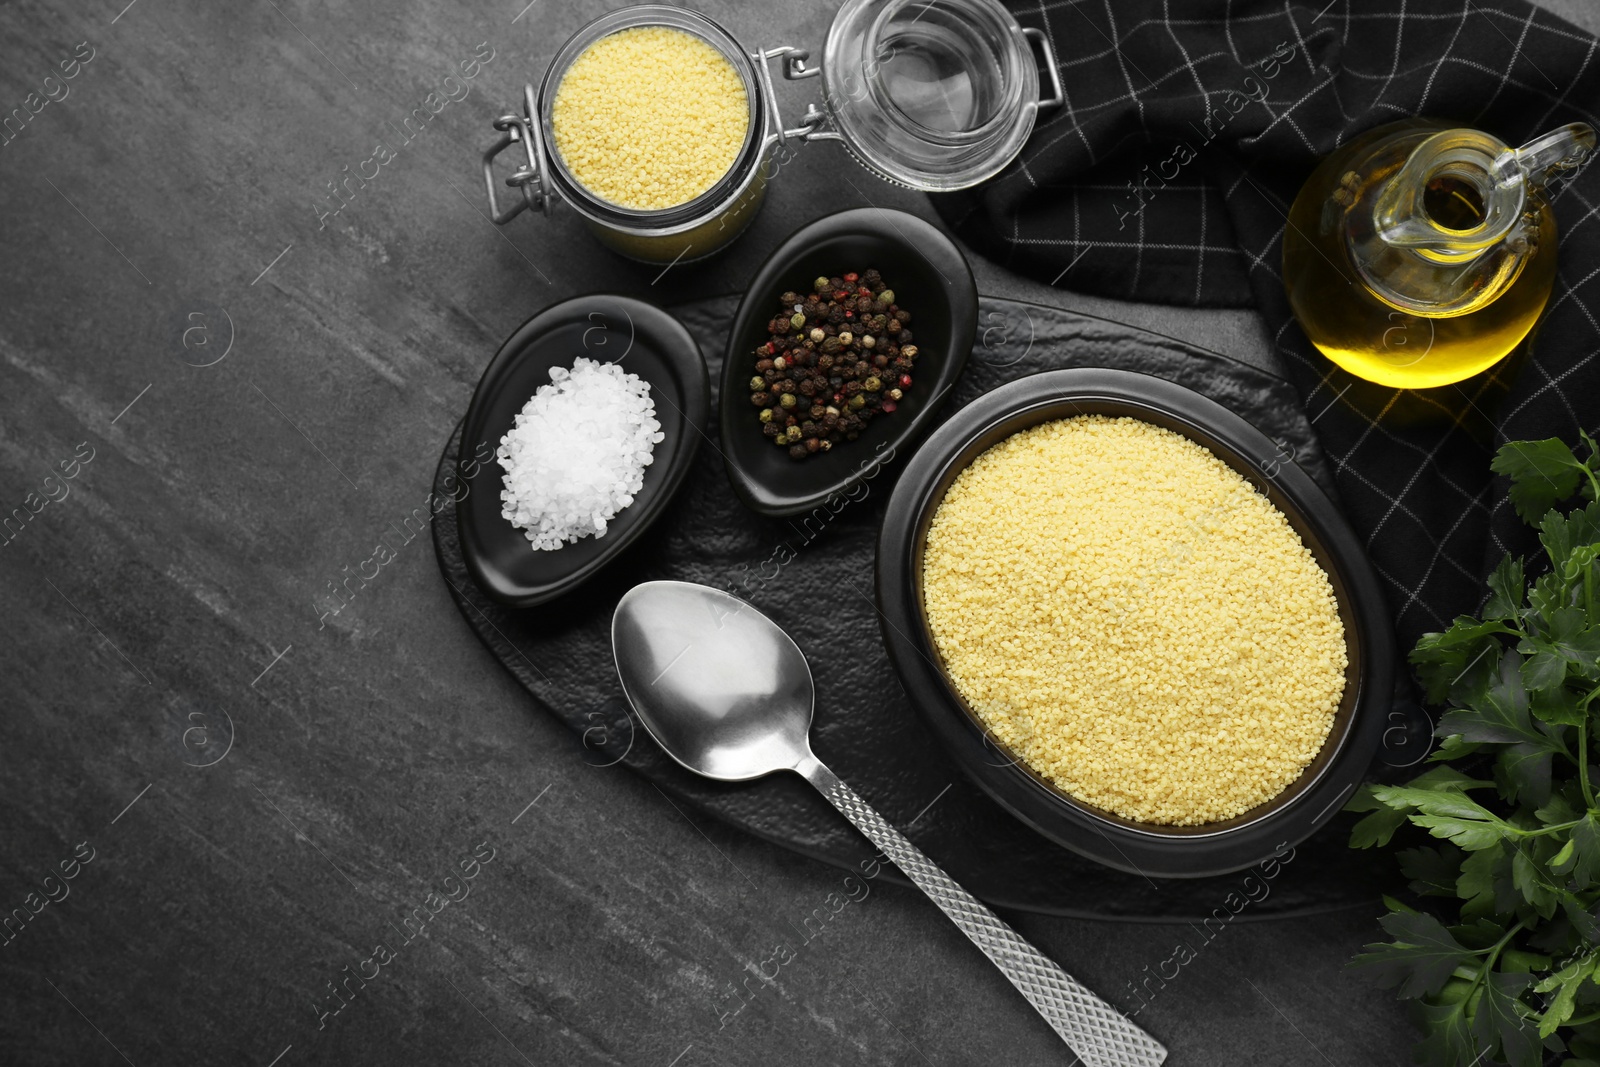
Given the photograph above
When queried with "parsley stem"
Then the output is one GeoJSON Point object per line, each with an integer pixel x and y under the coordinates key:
{"type": "Point", "coordinates": [1583, 1020]}
{"type": "Point", "coordinates": [1494, 954]}
{"type": "Point", "coordinates": [1583, 762]}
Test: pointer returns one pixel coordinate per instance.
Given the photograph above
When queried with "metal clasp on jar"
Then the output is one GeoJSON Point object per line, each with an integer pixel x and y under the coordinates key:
{"type": "Point", "coordinates": [530, 179]}
{"type": "Point", "coordinates": [813, 122]}
{"type": "Point", "coordinates": [1042, 39]}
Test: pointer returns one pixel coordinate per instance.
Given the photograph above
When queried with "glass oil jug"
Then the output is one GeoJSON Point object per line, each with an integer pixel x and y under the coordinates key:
{"type": "Point", "coordinates": [1418, 254]}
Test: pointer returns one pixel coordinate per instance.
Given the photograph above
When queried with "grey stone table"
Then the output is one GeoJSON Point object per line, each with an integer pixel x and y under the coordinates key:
{"type": "Point", "coordinates": [249, 391]}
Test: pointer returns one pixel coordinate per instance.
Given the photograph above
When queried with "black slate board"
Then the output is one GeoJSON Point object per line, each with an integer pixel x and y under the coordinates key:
{"type": "Point", "coordinates": [864, 727]}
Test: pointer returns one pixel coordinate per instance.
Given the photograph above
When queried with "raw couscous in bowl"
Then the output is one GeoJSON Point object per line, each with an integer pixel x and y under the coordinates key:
{"type": "Point", "coordinates": [1136, 624]}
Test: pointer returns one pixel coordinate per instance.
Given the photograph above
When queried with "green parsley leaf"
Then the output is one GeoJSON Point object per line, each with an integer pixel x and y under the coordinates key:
{"type": "Point", "coordinates": [1479, 935]}
{"type": "Point", "coordinates": [1564, 983]}
{"type": "Point", "coordinates": [1388, 815]}
{"type": "Point", "coordinates": [1449, 1041]}
{"type": "Point", "coordinates": [1584, 1043]}
{"type": "Point", "coordinates": [1525, 772]}
{"type": "Point", "coordinates": [1443, 659]}
{"type": "Point", "coordinates": [1376, 829]}
{"type": "Point", "coordinates": [1499, 1021]}
{"type": "Point", "coordinates": [1573, 638]}
{"type": "Point", "coordinates": [1508, 590]}
{"type": "Point", "coordinates": [1583, 862]}
{"type": "Point", "coordinates": [1516, 961]}
{"type": "Point", "coordinates": [1433, 871]}
{"type": "Point", "coordinates": [1531, 882]}
{"type": "Point", "coordinates": [1542, 473]}
{"type": "Point", "coordinates": [1447, 779]}
{"type": "Point", "coordinates": [1500, 711]}
{"type": "Point", "coordinates": [1548, 594]}
{"type": "Point", "coordinates": [1469, 834]}
{"type": "Point", "coordinates": [1546, 668]}
{"type": "Point", "coordinates": [1561, 534]}
{"type": "Point", "coordinates": [1421, 958]}
{"type": "Point", "coordinates": [1559, 706]}
{"type": "Point", "coordinates": [1480, 872]}
{"type": "Point", "coordinates": [1559, 809]}
{"type": "Point", "coordinates": [1452, 747]}
{"type": "Point", "coordinates": [1432, 801]}
{"type": "Point", "coordinates": [1584, 922]}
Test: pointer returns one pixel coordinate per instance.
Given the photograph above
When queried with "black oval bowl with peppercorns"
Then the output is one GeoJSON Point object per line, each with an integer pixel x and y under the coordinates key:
{"type": "Point", "coordinates": [864, 419]}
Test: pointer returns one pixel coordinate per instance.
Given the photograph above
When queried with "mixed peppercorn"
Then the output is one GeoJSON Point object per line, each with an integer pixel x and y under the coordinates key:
{"type": "Point", "coordinates": [838, 357]}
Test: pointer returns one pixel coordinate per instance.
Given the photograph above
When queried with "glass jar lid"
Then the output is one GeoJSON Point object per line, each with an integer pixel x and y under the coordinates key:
{"type": "Point", "coordinates": [933, 94]}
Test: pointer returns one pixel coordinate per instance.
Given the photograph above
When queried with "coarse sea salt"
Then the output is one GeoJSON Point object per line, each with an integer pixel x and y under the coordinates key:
{"type": "Point", "coordinates": [577, 453]}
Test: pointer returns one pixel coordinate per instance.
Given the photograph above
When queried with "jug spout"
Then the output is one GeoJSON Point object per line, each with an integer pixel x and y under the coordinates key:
{"type": "Point", "coordinates": [1463, 192]}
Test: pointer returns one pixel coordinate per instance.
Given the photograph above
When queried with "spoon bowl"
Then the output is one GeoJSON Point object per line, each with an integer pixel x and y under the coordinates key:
{"type": "Point", "coordinates": [724, 690]}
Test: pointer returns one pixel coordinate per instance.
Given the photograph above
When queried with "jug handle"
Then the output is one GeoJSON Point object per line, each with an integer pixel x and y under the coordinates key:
{"type": "Point", "coordinates": [1544, 159]}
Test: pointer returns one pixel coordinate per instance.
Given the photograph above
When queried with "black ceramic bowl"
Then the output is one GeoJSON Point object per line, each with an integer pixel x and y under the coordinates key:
{"type": "Point", "coordinates": [1140, 848]}
{"type": "Point", "coordinates": [606, 328]}
{"type": "Point", "coordinates": [931, 280]}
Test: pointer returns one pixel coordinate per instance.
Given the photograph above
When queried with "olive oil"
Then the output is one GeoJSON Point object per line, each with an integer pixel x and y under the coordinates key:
{"type": "Point", "coordinates": [1419, 255]}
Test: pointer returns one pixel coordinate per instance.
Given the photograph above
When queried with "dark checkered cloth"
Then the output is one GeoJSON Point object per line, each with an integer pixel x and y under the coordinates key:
{"type": "Point", "coordinates": [1140, 77]}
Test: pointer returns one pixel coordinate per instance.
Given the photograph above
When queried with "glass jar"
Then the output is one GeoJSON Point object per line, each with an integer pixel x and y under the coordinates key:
{"type": "Point", "coordinates": [929, 94]}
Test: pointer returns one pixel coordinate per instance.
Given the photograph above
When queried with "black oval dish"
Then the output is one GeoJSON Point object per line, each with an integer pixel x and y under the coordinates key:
{"type": "Point", "coordinates": [607, 328]}
{"type": "Point", "coordinates": [930, 278]}
{"type": "Point", "coordinates": [1153, 851]}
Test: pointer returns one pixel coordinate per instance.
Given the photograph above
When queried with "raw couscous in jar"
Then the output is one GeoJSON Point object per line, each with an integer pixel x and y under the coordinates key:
{"type": "Point", "coordinates": [661, 130]}
{"type": "Point", "coordinates": [649, 123]}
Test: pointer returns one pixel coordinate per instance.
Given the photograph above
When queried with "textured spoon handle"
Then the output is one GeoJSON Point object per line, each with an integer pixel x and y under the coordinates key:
{"type": "Point", "coordinates": [1097, 1032]}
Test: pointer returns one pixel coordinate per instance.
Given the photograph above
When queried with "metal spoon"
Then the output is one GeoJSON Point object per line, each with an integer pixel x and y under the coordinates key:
{"type": "Point", "coordinates": [728, 694]}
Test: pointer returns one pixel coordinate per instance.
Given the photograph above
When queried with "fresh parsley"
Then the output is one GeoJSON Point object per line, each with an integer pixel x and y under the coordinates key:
{"type": "Point", "coordinates": [1505, 961]}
